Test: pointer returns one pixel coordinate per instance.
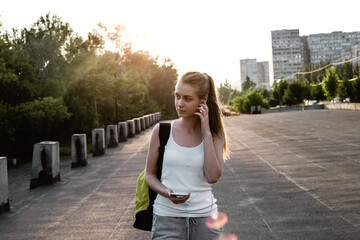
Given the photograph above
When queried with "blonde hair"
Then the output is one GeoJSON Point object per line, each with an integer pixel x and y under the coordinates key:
{"type": "Point", "coordinates": [206, 87]}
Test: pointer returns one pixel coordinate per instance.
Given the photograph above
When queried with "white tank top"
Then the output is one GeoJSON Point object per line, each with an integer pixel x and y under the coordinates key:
{"type": "Point", "coordinates": [183, 172]}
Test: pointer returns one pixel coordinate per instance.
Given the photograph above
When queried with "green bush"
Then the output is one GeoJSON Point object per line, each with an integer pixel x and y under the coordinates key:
{"type": "Point", "coordinates": [252, 98]}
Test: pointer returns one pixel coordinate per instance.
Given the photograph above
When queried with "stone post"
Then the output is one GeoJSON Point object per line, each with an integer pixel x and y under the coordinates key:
{"type": "Point", "coordinates": [98, 141]}
{"type": "Point", "coordinates": [137, 125]}
{"type": "Point", "coordinates": [45, 164]}
{"type": "Point", "coordinates": [112, 136]}
{"type": "Point", "coordinates": [142, 122]}
{"type": "Point", "coordinates": [131, 128]}
{"type": "Point", "coordinates": [4, 187]}
{"type": "Point", "coordinates": [150, 120]}
{"type": "Point", "coordinates": [147, 122]}
{"type": "Point", "coordinates": [122, 131]}
{"type": "Point", "coordinates": [78, 150]}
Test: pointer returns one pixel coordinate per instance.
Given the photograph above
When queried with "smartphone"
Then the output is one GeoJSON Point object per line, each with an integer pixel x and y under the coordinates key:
{"type": "Point", "coordinates": [178, 195]}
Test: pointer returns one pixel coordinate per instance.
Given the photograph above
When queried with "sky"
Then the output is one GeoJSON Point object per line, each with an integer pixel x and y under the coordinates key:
{"type": "Point", "coordinates": [207, 36]}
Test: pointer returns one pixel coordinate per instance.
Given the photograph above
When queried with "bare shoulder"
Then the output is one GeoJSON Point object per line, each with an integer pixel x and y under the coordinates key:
{"type": "Point", "coordinates": [156, 129]}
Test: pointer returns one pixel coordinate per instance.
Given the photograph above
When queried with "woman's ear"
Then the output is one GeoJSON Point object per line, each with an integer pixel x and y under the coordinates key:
{"type": "Point", "coordinates": [205, 99]}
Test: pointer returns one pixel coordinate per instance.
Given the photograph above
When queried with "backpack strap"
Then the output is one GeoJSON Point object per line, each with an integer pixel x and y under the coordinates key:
{"type": "Point", "coordinates": [164, 134]}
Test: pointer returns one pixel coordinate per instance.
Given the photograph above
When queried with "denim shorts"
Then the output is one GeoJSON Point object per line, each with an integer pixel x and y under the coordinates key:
{"type": "Point", "coordinates": [184, 228]}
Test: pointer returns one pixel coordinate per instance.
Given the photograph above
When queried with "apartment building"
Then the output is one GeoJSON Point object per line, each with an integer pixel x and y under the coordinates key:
{"type": "Point", "coordinates": [263, 73]}
{"type": "Point", "coordinates": [286, 57]}
{"type": "Point", "coordinates": [327, 47]}
{"type": "Point", "coordinates": [350, 53]}
{"type": "Point", "coordinates": [291, 52]}
{"type": "Point", "coordinates": [258, 72]}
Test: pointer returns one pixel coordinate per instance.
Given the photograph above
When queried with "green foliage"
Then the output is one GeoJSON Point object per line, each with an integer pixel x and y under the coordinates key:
{"type": "Point", "coordinates": [247, 84]}
{"type": "Point", "coordinates": [345, 90]}
{"type": "Point", "coordinates": [251, 98]}
{"type": "Point", "coordinates": [45, 42]}
{"type": "Point", "coordinates": [54, 83]}
{"type": "Point", "coordinates": [313, 77]}
{"type": "Point", "coordinates": [294, 93]}
{"type": "Point", "coordinates": [356, 92]}
{"type": "Point", "coordinates": [345, 71]}
{"type": "Point", "coordinates": [264, 92]}
{"type": "Point", "coordinates": [330, 84]}
{"type": "Point", "coordinates": [30, 122]}
{"type": "Point", "coordinates": [224, 92]}
{"type": "Point", "coordinates": [317, 93]}
{"type": "Point", "coordinates": [278, 91]}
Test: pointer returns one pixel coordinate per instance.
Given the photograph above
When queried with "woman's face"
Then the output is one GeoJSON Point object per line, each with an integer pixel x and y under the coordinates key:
{"type": "Point", "coordinates": [186, 100]}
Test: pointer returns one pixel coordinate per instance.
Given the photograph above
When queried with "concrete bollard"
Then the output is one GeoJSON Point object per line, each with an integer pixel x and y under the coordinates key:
{"type": "Point", "coordinates": [4, 187]}
{"type": "Point", "coordinates": [137, 125]}
{"type": "Point", "coordinates": [147, 123]}
{"type": "Point", "coordinates": [158, 116]}
{"type": "Point", "coordinates": [131, 128]}
{"type": "Point", "coordinates": [45, 164]}
{"type": "Point", "coordinates": [150, 120]}
{"type": "Point", "coordinates": [122, 131]}
{"type": "Point", "coordinates": [98, 141]}
{"type": "Point", "coordinates": [78, 150]}
{"type": "Point", "coordinates": [112, 136]}
{"type": "Point", "coordinates": [142, 122]}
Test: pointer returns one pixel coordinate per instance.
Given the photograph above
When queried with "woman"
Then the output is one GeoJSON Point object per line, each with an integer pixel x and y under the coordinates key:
{"type": "Point", "coordinates": [193, 160]}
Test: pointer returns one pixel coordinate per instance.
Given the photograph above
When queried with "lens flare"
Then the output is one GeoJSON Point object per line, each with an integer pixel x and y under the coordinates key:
{"type": "Point", "coordinates": [217, 221]}
{"type": "Point", "coordinates": [227, 237]}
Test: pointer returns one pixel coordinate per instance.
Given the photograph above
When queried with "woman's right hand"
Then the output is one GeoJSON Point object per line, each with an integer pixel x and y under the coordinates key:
{"type": "Point", "coordinates": [174, 199]}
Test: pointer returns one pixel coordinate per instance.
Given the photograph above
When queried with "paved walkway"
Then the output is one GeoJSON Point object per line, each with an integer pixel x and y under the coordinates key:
{"type": "Point", "coordinates": [292, 175]}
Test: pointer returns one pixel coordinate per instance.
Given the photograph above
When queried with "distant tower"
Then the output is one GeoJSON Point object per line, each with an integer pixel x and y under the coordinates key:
{"type": "Point", "coordinates": [286, 56]}
{"type": "Point", "coordinates": [258, 72]}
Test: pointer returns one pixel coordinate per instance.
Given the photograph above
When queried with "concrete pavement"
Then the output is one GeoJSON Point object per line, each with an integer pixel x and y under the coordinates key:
{"type": "Point", "coordinates": [293, 175]}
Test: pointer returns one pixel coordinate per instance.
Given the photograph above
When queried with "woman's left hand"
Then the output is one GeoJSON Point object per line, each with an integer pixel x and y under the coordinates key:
{"type": "Point", "coordinates": [203, 113]}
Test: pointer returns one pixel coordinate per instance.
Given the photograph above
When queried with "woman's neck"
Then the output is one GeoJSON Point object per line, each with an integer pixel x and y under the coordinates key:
{"type": "Point", "coordinates": [192, 124]}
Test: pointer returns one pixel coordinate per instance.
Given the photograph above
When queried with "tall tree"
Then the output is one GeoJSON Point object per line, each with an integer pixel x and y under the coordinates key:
{"type": "Point", "coordinates": [45, 42]}
{"type": "Point", "coordinates": [345, 90]}
{"type": "Point", "coordinates": [224, 92]}
{"type": "Point", "coordinates": [357, 90]}
{"type": "Point", "coordinates": [278, 91]}
{"type": "Point", "coordinates": [247, 84]}
{"type": "Point", "coordinates": [331, 84]}
{"type": "Point", "coordinates": [294, 93]}
{"type": "Point", "coordinates": [317, 93]}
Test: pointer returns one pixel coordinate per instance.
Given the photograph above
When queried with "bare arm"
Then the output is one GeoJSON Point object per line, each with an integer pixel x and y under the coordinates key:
{"type": "Point", "coordinates": [213, 153]}
{"type": "Point", "coordinates": [213, 149]}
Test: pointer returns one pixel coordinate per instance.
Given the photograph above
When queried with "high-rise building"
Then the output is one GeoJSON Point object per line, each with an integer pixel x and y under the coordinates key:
{"type": "Point", "coordinates": [326, 47]}
{"type": "Point", "coordinates": [258, 72]}
{"type": "Point", "coordinates": [286, 57]}
{"type": "Point", "coordinates": [291, 52]}
{"type": "Point", "coordinates": [352, 53]}
{"type": "Point", "coordinates": [248, 68]}
{"type": "Point", "coordinates": [263, 73]}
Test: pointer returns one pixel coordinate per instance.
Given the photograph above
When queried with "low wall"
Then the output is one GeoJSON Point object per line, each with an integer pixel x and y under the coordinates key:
{"type": "Point", "coordinates": [343, 106]}
{"type": "Point", "coordinates": [293, 108]}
